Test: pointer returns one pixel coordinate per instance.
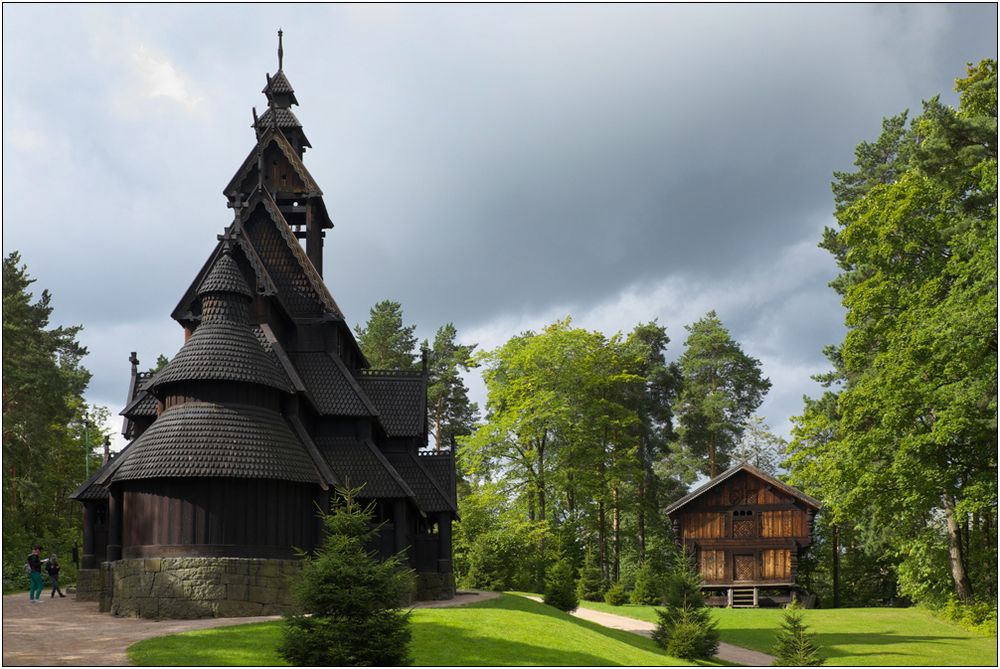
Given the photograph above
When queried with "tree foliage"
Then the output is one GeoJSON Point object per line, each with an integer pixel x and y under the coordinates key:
{"type": "Point", "coordinates": [903, 449]}
{"type": "Point", "coordinates": [349, 601]}
{"type": "Point", "coordinates": [385, 341]}
{"type": "Point", "coordinates": [49, 433]}
{"type": "Point", "coordinates": [722, 387]}
{"type": "Point", "coordinates": [450, 412]}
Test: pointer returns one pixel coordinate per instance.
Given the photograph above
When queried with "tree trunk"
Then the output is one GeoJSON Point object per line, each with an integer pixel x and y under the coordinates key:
{"type": "Point", "coordinates": [641, 521]}
{"type": "Point", "coordinates": [531, 501]}
{"type": "Point", "coordinates": [956, 557]}
{"type": "Point", "coordinates": [836, 567]}
{"type": "Point", "coordinates": [711, 461]}
{"type": "Point", "coordinates": [541, 478]}
{"type": "Point", "coordinates": [602, 545]}
{"type": "Point", "coordinates": [641, 511]}
{"type": "Point", "coordinates": [438, 410]}
{"type": "Point", "coordinates": [616, 526]}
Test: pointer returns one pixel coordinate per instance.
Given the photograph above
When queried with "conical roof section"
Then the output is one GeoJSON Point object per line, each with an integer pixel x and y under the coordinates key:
{"type": "Point", "coordinates": [223, 347]}
{"type": "Point", "coordinates": [225, 277]}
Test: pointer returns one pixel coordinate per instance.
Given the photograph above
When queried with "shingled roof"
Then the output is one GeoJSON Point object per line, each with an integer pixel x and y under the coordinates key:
{"type": "Point", "coordinates": [278, 84]}
{"type": "Point", "coordinates": [753, 471]}
{"type": "Point", "coordinates": [401, 400]}
{"type": "Point", "coordinates": [430, 496]}
{"type": "Point", "coordinates": [358, 461]}
{"type": "Point", "coordinates": [331, 387]}
{"type": "Point", "coordinates": [199, 439]}
{"type": "Point", "coordinates": [223, 347]}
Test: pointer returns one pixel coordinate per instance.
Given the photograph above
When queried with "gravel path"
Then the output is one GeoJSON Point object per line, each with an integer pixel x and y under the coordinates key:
{"type": "Point", "coordinates": [65, 632]}
{"type": "Point", "coordinates": [727, 651]}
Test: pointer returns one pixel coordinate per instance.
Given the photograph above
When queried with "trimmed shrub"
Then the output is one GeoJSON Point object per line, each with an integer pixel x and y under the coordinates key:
{"type": "Point", "coordinates": [560, 588]}
{"type": "Point", "coordinates": [793, 647]}
{"type": "Point", "coordinates": [685, 628]}
{"type": "Point", "coordinates": [349, 601]}
{"type": "Point", "coordinates": [591, 585]}
{"type": "Point", "coordinates": [616, 594]}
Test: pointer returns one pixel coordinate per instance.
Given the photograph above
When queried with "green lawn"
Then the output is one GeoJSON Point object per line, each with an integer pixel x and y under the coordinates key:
{"type": "Point", "coordinates": [506, 631]}
{"type": "Point", "coordinates": [859, 637]}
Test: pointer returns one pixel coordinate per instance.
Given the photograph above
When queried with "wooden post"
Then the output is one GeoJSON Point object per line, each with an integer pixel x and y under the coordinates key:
{"type": "Point", "coordinates": [729, 598]}
{"type": "Point", "coordinates": [115, 523]}
{"type": "Point", "coordinates": [756, 592]}
{"type": "Point", "coordinates": [314, 238]}
{"type": "Point", "coordinates": [399, 525]}
{"type": "Point", "coordinates": [89, 560]}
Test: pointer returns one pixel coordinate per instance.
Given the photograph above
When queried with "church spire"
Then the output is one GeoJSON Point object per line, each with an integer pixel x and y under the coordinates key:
{"type": "Point", "coordinates": [280, 98]}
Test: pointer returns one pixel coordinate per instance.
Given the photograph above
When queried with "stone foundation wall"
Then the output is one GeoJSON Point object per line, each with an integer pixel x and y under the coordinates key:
{"type": "Point", "coordinates": [88, 585]}
{"type": "Point", "coordinates": [435, 585]}
{"type": "Point", "coordinates": [200, 587]}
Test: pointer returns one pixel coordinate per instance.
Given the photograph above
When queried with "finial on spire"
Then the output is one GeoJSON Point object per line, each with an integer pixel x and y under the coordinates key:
{"type": "Point", "coordinates": [281, 51]}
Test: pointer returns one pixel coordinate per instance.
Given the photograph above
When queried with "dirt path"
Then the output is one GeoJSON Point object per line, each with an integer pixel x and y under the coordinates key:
{"type": "Point", "coordinates": [727, 651]}
{"type": "Point", "coordinates": [65, 632]}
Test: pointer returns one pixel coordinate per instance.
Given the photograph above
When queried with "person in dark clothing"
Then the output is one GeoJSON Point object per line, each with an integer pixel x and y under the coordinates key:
{"type": "Point", "coordinates": [52, 566]}
{"type": "Point", "coordinates": [35, 573]}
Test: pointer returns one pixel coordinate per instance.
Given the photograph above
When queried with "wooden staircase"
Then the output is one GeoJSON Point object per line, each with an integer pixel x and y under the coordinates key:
{"type": "Point", "coordinates": [744, 598]}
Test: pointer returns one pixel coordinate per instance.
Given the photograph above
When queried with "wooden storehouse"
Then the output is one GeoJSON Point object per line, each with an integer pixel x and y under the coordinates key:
{"type": "Point", "coordinates": [746, 530]}
{"type": "Point", "coordinates": [268, 406]}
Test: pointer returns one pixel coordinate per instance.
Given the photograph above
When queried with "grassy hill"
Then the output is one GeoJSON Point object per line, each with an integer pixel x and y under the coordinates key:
{"type": "Point", "coordinates": [506, 631]}
{"type": "Point", "coordinates": [855, 637]}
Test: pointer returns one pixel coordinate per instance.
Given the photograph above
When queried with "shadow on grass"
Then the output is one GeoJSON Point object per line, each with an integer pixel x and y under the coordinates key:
{"type": "Point", "coordinates": [639, 641]}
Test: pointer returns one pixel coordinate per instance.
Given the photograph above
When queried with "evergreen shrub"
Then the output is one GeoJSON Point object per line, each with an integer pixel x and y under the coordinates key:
{"type": "Point", "coordinates": [685, 627]}
{"type": "Point", "coordinates": [349, 602]}
{"type": "Point", "coordinates": [560, 587]}
{"type": "Point", "coordinates": [793, 647]}
{"type": "Point", "coordinates": [591, 586]}
{"type": "Point", "coordinates": [616, 595]}
{"type": "Point", "coordinates": [650, 586]}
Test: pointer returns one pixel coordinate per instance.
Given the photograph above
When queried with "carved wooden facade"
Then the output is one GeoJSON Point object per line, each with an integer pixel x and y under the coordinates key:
{"type": "Point", "coordinates": [746, 530]}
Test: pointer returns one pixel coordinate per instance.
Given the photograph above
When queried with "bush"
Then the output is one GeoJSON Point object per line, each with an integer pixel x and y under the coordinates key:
{"type": "Point", "coordinates": [349, 601]}
{"type": "Point", "coordinates": [591, 586]}
{"type": "Point", "coordinates": [976, 616]}
{"type": "Point", "coordinates": [616, 595]}
{"type": "Point", "coordinates": [560, 588]}
{"type": "Point", "coordinates": [685, 628]}
{"type": "Point", "coordinates": [650, 586]}
{"type": "Point", "coordinates": [792, 646]}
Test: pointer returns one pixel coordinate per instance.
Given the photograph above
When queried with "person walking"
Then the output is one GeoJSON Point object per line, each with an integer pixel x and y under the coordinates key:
{"type": "Point", "coordinates": [35, 573]}
{"type": "Point", "coordinates": [52, 566]}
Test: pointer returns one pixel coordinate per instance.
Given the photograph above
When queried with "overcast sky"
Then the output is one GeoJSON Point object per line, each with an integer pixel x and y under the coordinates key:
{"type": "Point", "coordinates": [495, 166]}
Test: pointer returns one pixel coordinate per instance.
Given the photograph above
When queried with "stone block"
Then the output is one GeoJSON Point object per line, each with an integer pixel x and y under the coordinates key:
{"type": "Point", "coordinates": [262, 595]}
{"type": "Point", "coordinates": [234, 609]}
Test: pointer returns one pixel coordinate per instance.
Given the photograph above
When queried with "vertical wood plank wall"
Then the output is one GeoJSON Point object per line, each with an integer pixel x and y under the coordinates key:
{"type": "Point", "coordinates": [233, 512]}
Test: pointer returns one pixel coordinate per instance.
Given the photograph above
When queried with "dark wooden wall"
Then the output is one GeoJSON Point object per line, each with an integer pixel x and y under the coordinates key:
{"type": "Point", "coordinates": [218, 517]}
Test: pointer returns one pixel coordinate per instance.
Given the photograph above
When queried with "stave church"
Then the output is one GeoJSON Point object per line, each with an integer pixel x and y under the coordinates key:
{"type": "Point", "coordinates": [267, 408]}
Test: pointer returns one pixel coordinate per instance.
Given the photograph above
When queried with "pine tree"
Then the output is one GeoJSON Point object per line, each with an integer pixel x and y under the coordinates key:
{"type": "Point", "coordinates": [591, 586]}
{"type": "Point", "coordinates": [560, 586]}
{"type": "Point", "coordinates": [349, 600]}
{"type": "Point", "coordinates": [449, 411]}
{"type": "Point", "coordinates": [385, 341]}
{"type": "Point", "coordinates": [793, 647]}
{"type": "Point", "coordinates": [685, 628]}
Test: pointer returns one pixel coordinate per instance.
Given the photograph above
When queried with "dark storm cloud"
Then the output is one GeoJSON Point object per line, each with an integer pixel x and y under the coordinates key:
{"type": "Point", "coordinates": [484, 165]}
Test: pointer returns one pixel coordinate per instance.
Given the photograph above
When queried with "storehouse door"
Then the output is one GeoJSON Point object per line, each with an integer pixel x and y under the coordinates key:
{"type": "Point", "coordinates": [743, 567]}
